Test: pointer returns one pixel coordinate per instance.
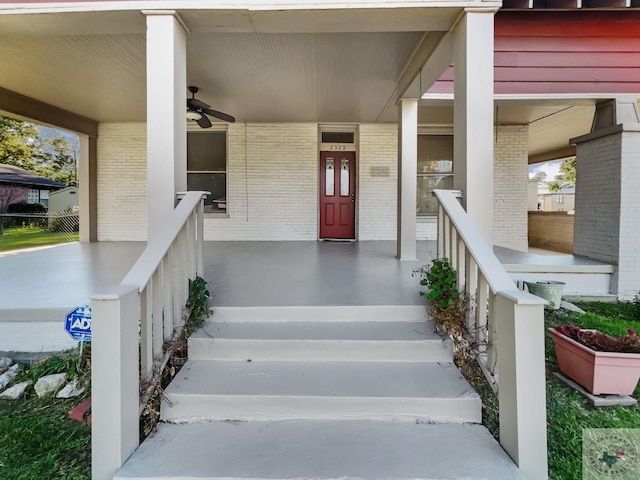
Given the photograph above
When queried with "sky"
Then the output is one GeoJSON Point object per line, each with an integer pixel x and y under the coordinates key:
{"type": "Point", "coordinates": [550, 168]}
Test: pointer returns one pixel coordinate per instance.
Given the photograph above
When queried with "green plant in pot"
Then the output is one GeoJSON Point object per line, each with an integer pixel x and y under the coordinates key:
{"type": "Point", "coordinates": [447, 306]}
{"type": "Point", "coordinates": [603, 364]}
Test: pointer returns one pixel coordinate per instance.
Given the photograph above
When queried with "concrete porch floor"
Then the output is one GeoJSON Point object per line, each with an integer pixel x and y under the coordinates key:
{"type": "Point", "coordinates": [41, 286]}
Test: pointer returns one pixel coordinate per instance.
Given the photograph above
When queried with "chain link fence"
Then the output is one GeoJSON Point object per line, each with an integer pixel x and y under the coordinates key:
{"type": "Point", "coordinates": [65, 223]}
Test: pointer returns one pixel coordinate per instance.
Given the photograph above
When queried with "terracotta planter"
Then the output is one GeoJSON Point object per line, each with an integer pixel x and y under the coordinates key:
{"type": "Point", "coordinates": [599, 372]}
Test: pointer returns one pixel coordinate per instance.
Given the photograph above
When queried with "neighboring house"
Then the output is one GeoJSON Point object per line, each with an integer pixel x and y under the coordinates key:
{"type": "Point", "coordinates": [563, 200]}
{"type": "Point", "coordinates": [323, 90]}
{"type": "Point", "coordinates": [20, 185]}
{"type": "Point", "coordinates": [64, 199]}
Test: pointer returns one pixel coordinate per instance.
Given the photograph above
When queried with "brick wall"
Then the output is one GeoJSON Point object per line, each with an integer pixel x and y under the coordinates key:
{"type": "Point", "coordinates": [596, 232]}
{"type": "Point", "coordinates": [510, 186]}
{"type": "Point", "coordinates": [551, 231]}
{"type": "Point", "coordinates": [629, 261]}
{"type": "Point", "coordinates": [377, 182]}
{"type": "Point", "coordinates": [607, 219]}
{"type": "Point", "coordinates": [122, 181]}
{"type": "Point", "coordinates": [10, 194]}
{"type": "Point", "coordinates": [272, 188]}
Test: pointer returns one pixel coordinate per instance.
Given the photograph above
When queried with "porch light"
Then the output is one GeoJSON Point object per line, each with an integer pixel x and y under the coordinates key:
{"type": "Point", "coordinates": [193, 116]}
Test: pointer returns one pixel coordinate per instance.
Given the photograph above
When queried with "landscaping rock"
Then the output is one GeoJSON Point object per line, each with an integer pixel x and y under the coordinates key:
{"type": "Point", "coordinates": [9, 375]}
{"type": "Point", "coordinates": [49, 384]}
{"type": "Point", "coordinates": [16, 391]}
{"type": "Point", "coordinates": [5, 362]}
{"type": "Point", "coordinates": [72, 389]}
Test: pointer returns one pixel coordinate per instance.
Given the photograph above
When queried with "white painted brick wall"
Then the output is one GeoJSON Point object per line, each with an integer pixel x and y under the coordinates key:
{"type": "Point", "coordinates": [510, 180]}
{"type": "Point", "coordinates": [607, 219]}
{"type": "Point", "coordinates": [122, 181]}
{"type": "Point", "coordinates": [377, 191]}
{"type": "Point", "coordinates": [629, 261]}
{"type": "Point", "coordinates": [272, 177]}
{"type": "Point", "coordinates": [427, 228]}
{"type": "Point", "coordinates": [272, 188]}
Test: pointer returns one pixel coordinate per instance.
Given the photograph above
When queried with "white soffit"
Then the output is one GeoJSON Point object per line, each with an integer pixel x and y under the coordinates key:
{"type": "Point", "coordinates": [552, 121]}
{"type": "Point", "coordinates": [301, 63]}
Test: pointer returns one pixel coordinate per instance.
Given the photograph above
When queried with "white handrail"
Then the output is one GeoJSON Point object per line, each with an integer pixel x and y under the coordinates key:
{"type": "Point", "coordinates": [497, 277]}
{"type": "Point", "coordinates": [509, 325]}
{"type": "Point", "coordinates": [148, 262]}
{"type": "Point", "coordinates": [131, 326]}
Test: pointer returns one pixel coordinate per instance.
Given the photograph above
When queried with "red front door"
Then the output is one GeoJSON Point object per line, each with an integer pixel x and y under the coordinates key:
{"type": "Point", "coordinates": [338, 195]}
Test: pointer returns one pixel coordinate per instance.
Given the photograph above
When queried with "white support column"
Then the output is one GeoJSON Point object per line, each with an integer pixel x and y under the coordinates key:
{"type": "Point", "coordinates": [521, 371]}
{"type": "Point", "coordinates": [115, 404]}
{"type": "Point", "coordinates": [473, 117]}
{"type": "Point", "coordinates": [84, 188]}
{"type": "Point", "coordinates": [407, 178]}
{"type": "Point", "coordinates": [166, 120]}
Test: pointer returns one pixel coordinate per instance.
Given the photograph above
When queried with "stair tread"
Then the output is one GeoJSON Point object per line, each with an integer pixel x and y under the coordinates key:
{"type": "Point", "coordinates": [319, 449]}
{"type": "Point", "coordinates": [347, 331]}
{"type": "Point", "coordinates": [333, 379]}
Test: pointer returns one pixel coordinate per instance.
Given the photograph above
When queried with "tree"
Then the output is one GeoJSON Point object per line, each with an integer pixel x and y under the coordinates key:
{"type": "Point", "coordinates": [43, 151]}
{"type": "Point", "coordinates": [540, 176]}
{"type": "Point", "coordinates": [566, 177]}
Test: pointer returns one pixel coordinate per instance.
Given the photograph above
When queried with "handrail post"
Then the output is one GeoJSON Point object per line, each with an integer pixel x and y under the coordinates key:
{"type": "Point", "coordinates": [115, 394]}
{"type": "Point", "coordinates": [200, 238]}
{"type": "Point", "coordinates": [522, 391]}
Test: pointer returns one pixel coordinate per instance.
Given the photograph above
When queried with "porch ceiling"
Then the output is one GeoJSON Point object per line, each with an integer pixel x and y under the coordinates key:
{"type": "Point", "coordinates": [339, 65]}
{"type": "Point", "coordinates": [552, 121]}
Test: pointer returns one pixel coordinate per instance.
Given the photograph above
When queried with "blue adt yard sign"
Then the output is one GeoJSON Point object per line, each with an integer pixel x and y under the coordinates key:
{"type": "Point", "coordinates": [78, 324]}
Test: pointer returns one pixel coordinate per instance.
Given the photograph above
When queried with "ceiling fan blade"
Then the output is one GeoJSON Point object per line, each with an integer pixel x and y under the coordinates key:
{"type": "Point", "coordinates": [220, 115]}
{"type": "Point", "coordinates": [195, 103]}
{"type": "Point", "coordinates": [204, 121]}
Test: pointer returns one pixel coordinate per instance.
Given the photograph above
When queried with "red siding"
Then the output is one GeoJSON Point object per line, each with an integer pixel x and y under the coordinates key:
{"type": "Point", "coordinates": [563, 52]}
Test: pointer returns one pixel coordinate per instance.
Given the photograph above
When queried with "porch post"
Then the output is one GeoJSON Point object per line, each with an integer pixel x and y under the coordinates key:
{"type": "Point", "coordinates": [473, 117]}
{"type": "Point", "coordinates": [607, 195]}
{"type": "Point", "coordinates": [166, 120]}
{"type": "Point", "coordinates": [407, 178]}
{"type": "Point", "coordinates": [87, 188]}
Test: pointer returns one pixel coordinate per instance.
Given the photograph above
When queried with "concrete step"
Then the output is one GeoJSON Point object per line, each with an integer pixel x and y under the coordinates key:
{"type": "Point", "coordinates": [248, 390]}
{"type": "Point", "coordinates": [587, 280]}
{"type": "Point", "coordinates": [317, 449]}
{"type": "Point", "coordinates": [368, 313]}
{"type": "Point", "coordinates": [397, 341]}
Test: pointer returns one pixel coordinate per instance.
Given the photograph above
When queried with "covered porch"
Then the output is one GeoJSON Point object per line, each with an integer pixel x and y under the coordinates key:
{"type": "Point", "coordinates": [243, 274]}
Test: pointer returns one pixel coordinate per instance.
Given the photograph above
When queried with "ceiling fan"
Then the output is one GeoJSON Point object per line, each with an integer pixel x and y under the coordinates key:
{"type": "Point", "coordinates": [196, 110]}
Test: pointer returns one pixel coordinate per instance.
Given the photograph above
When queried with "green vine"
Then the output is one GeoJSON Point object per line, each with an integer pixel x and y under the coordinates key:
{"type": "Point", "coordinates": [447, 306]}
{"type": "Point", "coordinates": [197, 305]}
{"type": "Point", "coordinates": [440, 279]}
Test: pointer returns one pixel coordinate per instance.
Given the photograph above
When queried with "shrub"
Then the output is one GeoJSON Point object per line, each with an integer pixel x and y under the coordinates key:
{"type": "Point", "coordinates": [26, 209]}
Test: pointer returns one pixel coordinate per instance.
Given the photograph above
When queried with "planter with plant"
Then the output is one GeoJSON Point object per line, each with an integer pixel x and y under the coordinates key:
{"type": "Point", "coordinates": [603, 364]}
{"type": "Point", "coordinates": [447, 306]}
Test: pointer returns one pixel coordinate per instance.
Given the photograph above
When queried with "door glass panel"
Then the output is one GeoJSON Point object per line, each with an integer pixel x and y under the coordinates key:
{"type": "Point", "coordinates": [344, 177]}
{"type": "Point", "coordinates": [329, 188]}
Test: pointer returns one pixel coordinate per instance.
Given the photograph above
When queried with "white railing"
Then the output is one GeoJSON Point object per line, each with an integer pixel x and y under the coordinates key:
{"type": "Point", "coordinates": [130, 326]}
{"type": "Point", "coordinates": [508, 324]}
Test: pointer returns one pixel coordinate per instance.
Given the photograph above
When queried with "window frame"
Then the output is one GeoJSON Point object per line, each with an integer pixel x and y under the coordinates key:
{"type": "Point", "coordinates": [433, 132]}
{"type": "Point", "coordinates": [216, 129]}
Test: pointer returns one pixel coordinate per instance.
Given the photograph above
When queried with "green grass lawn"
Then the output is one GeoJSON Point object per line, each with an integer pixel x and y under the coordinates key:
{"type": "Point", "coordinates": [39, 441]}
{"type": "Point", "coordinates": [28, 237]}
{"type": "Point", "coordinates": [568, 412]}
